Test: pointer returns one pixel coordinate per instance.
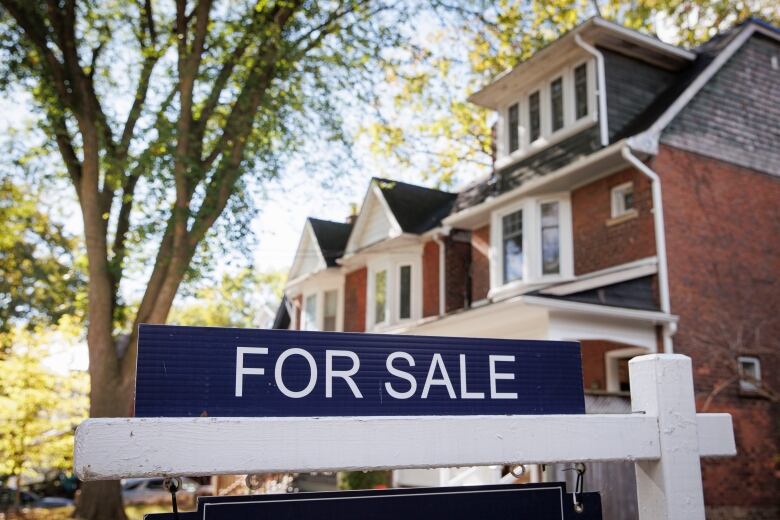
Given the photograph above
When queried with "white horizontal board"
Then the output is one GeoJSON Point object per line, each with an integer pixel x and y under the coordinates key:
{"type": "Point", "coordinates": [143, 447]}
{"type": "Point", "coordinates": [716, 435]}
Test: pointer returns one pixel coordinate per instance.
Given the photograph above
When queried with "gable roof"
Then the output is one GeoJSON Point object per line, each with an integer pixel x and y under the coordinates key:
{"type": "Point", "coordinates": [711, 56]}
{"type": "Point", "coordinates": [415, 208]}
{"type": "Point", "coordinates": [331, 237]}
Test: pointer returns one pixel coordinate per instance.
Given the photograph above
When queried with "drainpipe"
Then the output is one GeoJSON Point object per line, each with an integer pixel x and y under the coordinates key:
{"type": "Point", "coordinates": [601, 87]}
{"type": "Point", "coordinates": [660, 244]}
{"type": "Point", "coordinates": [442, 261]}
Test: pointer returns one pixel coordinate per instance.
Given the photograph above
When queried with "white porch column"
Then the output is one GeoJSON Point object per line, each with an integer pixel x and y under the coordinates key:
{"type": "Point", "coordinates": [669, 488]}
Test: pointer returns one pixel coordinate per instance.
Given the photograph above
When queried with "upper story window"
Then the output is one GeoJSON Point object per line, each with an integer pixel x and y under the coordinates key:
{"type": "Point", "coordinates": [622, 200]}
{"type": "Point", "coordinates": [310, 312]}
{"type": "Point", "coordinates": [749, 373]}
{"type": "Point", "coordinates": [394, 290]}
{"type": "Point", "coordinates": [564, 103]}
{"type": "Point", "coordinates": [330, 310]}
{"type": "Point", "coordinates": [531, 242]}
{"type": "Point", "coordinates": [514, 127]}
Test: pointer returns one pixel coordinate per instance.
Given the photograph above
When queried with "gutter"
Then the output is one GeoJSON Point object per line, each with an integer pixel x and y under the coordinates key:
{"type": "Point", "coordinates": [660, 244]}
{"type": "Point", "coordinates": [601, 87]}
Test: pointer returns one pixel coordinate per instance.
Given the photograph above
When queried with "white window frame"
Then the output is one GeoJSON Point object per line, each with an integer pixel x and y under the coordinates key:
{"type": "Point", "coordinates": [393, 268]}
{"type": "Point", "coordinates": [571, 125]}
{"type": "Point", "coordinates": [744, 384]}
{"type": "Point", "coordinates": [532, 245]}
{"type": "Point", "coordinates": [617, 200]}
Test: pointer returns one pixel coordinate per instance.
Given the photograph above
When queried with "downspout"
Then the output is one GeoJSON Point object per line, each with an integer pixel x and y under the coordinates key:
{"type": "Point", "coordinates": [442, 264]}
{"type": "Point", "coordinates": [660, 244]}
{"type": "Point", "coordinates": [601, 88]}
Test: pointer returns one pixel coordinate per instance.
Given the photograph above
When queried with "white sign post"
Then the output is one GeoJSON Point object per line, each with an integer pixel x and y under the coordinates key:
{"type": "Point", "coordinates": [664, 436]}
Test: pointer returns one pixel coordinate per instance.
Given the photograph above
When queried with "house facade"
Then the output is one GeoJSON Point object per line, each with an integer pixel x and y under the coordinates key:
{"type": "Point", "coordinates": [634, 206]}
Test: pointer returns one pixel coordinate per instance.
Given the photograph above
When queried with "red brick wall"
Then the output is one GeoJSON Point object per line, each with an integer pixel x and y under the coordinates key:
{"type": "Point", "coordinates": [457, 261]}
{"type": "Point", "coordinates": [480, 263]}
{"type": "Point", "coordinates": [297, 304]}
{"type": "Point", "coordinates": [723, 243]}
{"type": "Point", "coordinates": [594, 368]}
{"type": "Point", "coordinates": [355, 300]}
{"type": "Point", "coordinates": [598, 245]}
{"type": "Point", "coordinates": [430, 275]}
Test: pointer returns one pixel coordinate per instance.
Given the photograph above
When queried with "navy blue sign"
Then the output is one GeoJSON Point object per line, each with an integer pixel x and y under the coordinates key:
{"type": "Point", "coordinates": [218, 372]}
{"type": "Point", "coordinates": [523, 502]}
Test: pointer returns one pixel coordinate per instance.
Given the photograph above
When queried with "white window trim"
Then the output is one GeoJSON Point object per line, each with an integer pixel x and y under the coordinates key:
{"type": "Point", "coordinates": [532, 245]}
{"type": "Point", "coordinates": [393, 268]}
{"type": "Point", "coordinates": [617, 201]}
{"type": "Point", "coordinates": [611, 359]}
{"type": "Point", "coordinates": [748, 386]}
{"type": "Point", "coordinates": [547, 138]}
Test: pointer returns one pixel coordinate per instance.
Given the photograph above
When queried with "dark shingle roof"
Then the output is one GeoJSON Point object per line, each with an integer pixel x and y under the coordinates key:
{"type": "Point", "coordinates": [632, 294]}
{"type": "Point", "coordinates": [282, 317]}
{"type": "Point", "coordinates": [416, 209]}
{"type": "Point", "coordinates": [331, 237]}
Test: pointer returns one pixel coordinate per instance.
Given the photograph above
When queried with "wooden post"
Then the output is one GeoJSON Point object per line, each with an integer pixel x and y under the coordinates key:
{"type": "Point", "coordinates": [668, 488]}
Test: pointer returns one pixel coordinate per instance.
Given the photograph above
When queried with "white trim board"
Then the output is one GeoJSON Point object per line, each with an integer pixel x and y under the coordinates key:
{"type": "Point", "coordinates": [602, 279]}
{"type": "Point", "coordinates": [145, 447]}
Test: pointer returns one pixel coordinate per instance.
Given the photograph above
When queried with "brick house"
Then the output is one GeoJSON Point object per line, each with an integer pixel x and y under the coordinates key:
{"type": "Point", "coordinates": [634, 205]}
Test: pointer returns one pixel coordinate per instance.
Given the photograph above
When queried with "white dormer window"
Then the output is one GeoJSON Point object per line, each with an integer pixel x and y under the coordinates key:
{"type": "Point", "coordinates": [547, 112]}
{"type": "Point", "coordinates": [394, 290]}
{"type": "Point", "coordinates": [531, 243]}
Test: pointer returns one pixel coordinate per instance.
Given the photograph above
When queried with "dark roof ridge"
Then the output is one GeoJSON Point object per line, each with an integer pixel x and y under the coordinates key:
{"type": "Point", "coordinates": [409, 184]}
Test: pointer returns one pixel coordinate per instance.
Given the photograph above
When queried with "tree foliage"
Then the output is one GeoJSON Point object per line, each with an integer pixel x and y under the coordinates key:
{"type": "Point", "coordinates": [41, 272]}
{"type": "Point", "coordinates": [39, 408]}
{"type": "Point", "coordinates": [239, 300]}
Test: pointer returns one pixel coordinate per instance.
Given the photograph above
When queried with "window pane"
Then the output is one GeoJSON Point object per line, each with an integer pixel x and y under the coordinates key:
{"type": "Point", "coordinates": [514, 128]}
{"type": "Point", "coordinates": [512, 227]}
{"type": "Point", "coordinates": [380, 296]}
{"type": "Point", "coordinates": [628, 199]}
{"type": "Point", "coordinates": [310, 313]}
{"type": "Point", "coordinates": [405, 296]}
{"type": "Point", "coordinates": [551, 243]}
{"type": "Point", "coordinates": [534, 118]}
{"type": "Point", "coordinates": [331, 306]}
{"type": "Point", "coordinates": [581, 90]}
{"type": "Point", "coordinates": [556, 104]}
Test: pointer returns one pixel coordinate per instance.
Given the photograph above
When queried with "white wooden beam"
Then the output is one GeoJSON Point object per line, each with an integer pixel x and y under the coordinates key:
{"type": "Point", "coordinates": [119, 448]}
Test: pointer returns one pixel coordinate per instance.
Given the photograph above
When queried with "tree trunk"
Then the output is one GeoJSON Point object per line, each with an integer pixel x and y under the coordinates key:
{"type": "Point", "coordinates": [100, 499]}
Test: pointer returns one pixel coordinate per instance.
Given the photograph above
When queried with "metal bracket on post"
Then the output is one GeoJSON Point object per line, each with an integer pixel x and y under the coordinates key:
{"type": "Point", "coordinates": [670, 487]}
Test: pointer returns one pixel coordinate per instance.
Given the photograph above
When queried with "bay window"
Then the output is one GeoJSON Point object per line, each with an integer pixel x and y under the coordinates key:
{"type": "Point", "coordinates": [380, 296]}
{"type": "Point", "coordinates": [556, 104]}
{"type": "Point", "coordinates": [531, 243]}
{"type": "Point", "coordinates": [330, 312]}
{"type": "Point", "coordinates": [394, 290]}
{"type": "Point", "coordinates": [512, 246]}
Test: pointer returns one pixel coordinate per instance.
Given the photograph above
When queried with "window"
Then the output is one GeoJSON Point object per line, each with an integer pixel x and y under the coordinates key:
{"type": "Point", "coordinates": [380, 296]}
{"type": "Point", "coordinates": [330, 310]}
{"type": "Point", "coordinates": [556, 104]}
{"type": "Point", "coordinates": [581, 91]}
{"type": "Point", "coordinates": [405, 293]}
{"type": "Point", "coordinates": [623, 200]}
{"type": "Point", "coordinates": [534, 117]}
{"type": "Point", "coordinates": [514, 127]}
{"type": "Point", "coordinates": [512, 233]}
{"type": "Point", "coordinates": [749, 373]}
{"type": "Point", "coordinates": [551, 244]}
{"type": "Point", "coordinates": [310, 313]}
